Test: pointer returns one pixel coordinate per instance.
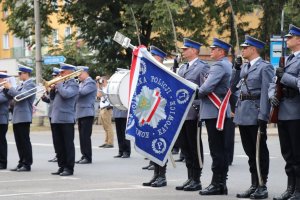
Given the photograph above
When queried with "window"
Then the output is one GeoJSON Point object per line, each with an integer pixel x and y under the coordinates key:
{"type": "Point", "coordinates": [55, 37]}
{"type": "Point", "coordinates": [67, 32]}
{"type": "Point", "coordinates": [5, 41]}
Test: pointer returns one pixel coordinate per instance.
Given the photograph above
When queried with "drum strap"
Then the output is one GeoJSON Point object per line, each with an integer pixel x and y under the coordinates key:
{"type": "Point", "coordinates": [221, 106]}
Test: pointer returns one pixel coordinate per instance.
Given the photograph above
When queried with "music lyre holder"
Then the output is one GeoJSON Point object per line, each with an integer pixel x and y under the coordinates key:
{"type": "Point", "coordinates": [123, 40]}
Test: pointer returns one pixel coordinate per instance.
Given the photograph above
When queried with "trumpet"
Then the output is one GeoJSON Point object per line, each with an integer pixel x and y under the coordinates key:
{"type": "Point", "coordinates": [45, 86]}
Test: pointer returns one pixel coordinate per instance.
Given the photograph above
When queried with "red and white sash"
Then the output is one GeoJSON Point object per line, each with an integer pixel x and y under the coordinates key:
{"type": "Point", "coordinates": [221, 106]}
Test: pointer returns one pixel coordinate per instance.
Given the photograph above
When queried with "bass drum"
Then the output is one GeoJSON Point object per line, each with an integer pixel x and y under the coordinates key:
{"type": "Point", "coordinates": [118, 89]}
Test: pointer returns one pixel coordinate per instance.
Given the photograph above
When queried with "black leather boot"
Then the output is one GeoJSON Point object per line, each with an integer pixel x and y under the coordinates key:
{"type": "Point", "coordinates": [217, 186]}
{"type": "Point", "coordinates": [161, 179]}
{"type": "Point", "coordinates": [289, 190]}
{"type": "Point", "coordinates": [195, 184]}
{"type": "Point", "coordinates": [296, 194]}
{"type": "Point", "coordinates": [155, 175]}
{"type": "Point", "coordinates": [252, 188]}
{"type": "Point", "coordinates": [261, 191]}
{"type": "Point", "coordinates": [180, 187]}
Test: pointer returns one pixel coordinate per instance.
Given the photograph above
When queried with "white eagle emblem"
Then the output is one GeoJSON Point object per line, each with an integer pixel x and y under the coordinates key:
{"type": "Point", "coordinates": [150, 107]}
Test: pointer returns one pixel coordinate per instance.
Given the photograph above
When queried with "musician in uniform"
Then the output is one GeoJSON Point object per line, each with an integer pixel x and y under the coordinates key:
{"type": "Point", "coordinates": [218, 84]}
{"type": "Point", "coordinates": [22, 116]}
{"type": "Point", "coordinates": [46, 98]}
{"type": "Point", "coordinates": [289, 114]}
{"type": "Point", "coordinates": [195, 71]}
{"type": "Point", "coordinates": [159, 176]}
{"type": "Point", "coordinates": [120, 117]}
{"type": "Point", "coordinates": [64, 95]}
{"type": "Point", "coordinates": [4, 118]}
{"type": "Point", "coordinates": [85, 113]}
{"type": "Point", "coordinates": [252, 113]}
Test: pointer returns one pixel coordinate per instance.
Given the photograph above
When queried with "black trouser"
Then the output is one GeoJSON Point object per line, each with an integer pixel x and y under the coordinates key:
{"type": "Point", "coordinates": [124, 145]}
{"type": "Point", "coordinates": [217, 146]}
{"type": "Point", "coordinates": [22, 138]}
{"type": "Point", "coordinates": [188, 144]}
{"type": "Point", "coordinates": [230, 140]}
{"type": "Point", "coordinates": [3, 145]}
{"type": "Point", "coordinates": [289, 138]}
{"type": "Point", "coordinates": [63, 136]}
{"type": "Point", "coordinates": [248, 137]}
{"type": "Point", "coordinates": [51, 127]}
{"type": "Point", "coordinates": [85, 127]}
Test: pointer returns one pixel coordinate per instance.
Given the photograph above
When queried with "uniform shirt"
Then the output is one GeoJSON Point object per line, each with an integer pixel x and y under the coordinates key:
{"type": "Point", "coordinates": [4, 101]}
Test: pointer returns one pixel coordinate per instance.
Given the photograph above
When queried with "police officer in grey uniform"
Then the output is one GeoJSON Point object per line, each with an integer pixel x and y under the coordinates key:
{"type": "Point", "coordinates": [46, 98]}
{"type": "Point", "coordinates": [120, 117]}
{"type": "Point", "coordinates": [218, 81]}
{"type": "Point", "coordinates": [85, 113]}
{"type": "Point", "coordinates": [195, 71]}
{"type": "Point", "coordinates": [4, 103]}
{"type": "Point", "coordinates": [252, 113]}
{"type": "Point", "coordinates": [289, 114]}
{"type": "Point", "coordinates": [64, 96]}
{"type": "Point", "coordinates": [22, 117]}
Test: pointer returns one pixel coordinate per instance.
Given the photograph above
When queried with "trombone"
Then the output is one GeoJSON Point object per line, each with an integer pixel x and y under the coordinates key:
{"type": "Point", "coordinates": [45, 86]}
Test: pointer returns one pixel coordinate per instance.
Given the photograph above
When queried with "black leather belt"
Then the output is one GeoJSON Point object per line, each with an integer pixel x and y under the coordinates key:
{"type": "Point", "coordinates": [107, 108]}
{"type": "Point", "coordinates": [249, 97]}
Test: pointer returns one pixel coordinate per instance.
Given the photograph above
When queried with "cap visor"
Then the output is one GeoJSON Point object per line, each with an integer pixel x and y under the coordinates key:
{"type": "Point", "coordinates": [212, 46]}
{"type": "Point", "coordinates": [288, 35]}
{"type": "Point", "coordinates": [245, 45]}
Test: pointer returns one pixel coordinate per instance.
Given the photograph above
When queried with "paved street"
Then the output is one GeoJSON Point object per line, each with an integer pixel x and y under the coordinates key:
{"type": "Point", "coordinates": [115, 178]}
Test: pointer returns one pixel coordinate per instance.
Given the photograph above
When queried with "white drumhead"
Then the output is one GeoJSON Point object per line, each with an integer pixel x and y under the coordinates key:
{"type": "Point", "coordinates": [118, 89]}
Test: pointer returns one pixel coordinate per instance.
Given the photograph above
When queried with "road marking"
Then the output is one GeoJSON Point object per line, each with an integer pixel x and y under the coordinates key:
{"type": "Point", "coordinates": [51, 145]}
{"type": "Point", "coordinates": [36, 180]}
{"type": "Point", "coordinates": [134, 187]}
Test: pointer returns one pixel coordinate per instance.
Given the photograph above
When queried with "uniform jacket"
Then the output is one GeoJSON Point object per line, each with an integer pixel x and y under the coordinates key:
{"type": "Point", "coordinates": [117, 113]}
{"type": "Point", "coordinates": [196, 74]}
{"type": "Point", "coordinates": [23, 109]}
{"type": "Point", "coordinates": [218, 81]}
{"type": "Point", "coordinates": [4, 101]}
{"type": "Point", "coordinates": [64, 99]}
{"type": "Point", "coordinates": [86, 98]}
{"type": "Point", "coordinates": [258, 78]}
{"type": "Point", "coordinates": [289, 108]}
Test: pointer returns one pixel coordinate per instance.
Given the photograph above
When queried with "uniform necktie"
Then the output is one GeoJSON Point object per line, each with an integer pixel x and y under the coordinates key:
{"type": "Point", "coordinates": [290, 57]}
{"type": "Point", "coordinates": [249, 65]}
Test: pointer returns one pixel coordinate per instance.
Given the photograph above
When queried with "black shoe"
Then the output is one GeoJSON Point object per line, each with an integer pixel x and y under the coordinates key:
{"type": "Point", "coordinates": [58, 172]}
{"type": "Point", "coordinates": [118, 156]}
{"type": "Point", "coordinates": [214, 190]}
{"type": "Point", "coordinates": [126, 155]}
{"type": "Point", "coordinates": [183, 185]}
{"type": "Point", "coordinates": [151, 181]}
{"type": "Point", "coordinates": [2, 166]}
{"type": "Point", "coordinates": [84, 161]}
{"type": "Point", "coordinates": [103, 145]}
{"type": "Point", "coordinates": [285, 195]}
{"type": "Point", "coordinates": [66, 173]}
{"type": "Point", "coordinates": [159, 182]}
{"type": "Point", "coordinates": [151, 167]}
{"type": "Point", "coordinates": [108, 146]}
{"type": "Point", "coordinates": [16, 168]}
{"type": "Point", "coordinates": [179, 160]}
{"type": "Point", "coordinates": [53, 159]}
{"type": "Point", "coordinates": [260, 193]}
{"type": "Point", "coordinates": [247, 193]}
{"type": "Point", "coordinates": [193, 186]}
{"type": "Point", "coordinates": [24, 169]}
{"type": "Point", "coordinates": [146, 167]}
{"type": "Point", "coordinates": [295, 196]}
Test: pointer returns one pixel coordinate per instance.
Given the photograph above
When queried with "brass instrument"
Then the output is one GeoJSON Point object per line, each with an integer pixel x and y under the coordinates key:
{"type": "Point", "coordinates": [45, 86]}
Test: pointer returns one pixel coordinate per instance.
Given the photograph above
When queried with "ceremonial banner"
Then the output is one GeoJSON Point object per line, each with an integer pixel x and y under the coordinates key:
{"type": "Point", "coordinates": [159, 103]}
